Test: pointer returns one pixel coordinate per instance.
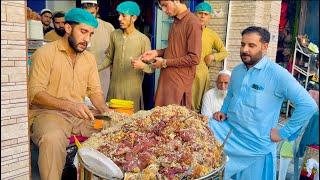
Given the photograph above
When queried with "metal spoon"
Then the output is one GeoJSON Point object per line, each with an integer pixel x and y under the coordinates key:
{"type": "Point", "coordinates": [103, 117]}
{"type": "Point", "coordinates": [225, 140]}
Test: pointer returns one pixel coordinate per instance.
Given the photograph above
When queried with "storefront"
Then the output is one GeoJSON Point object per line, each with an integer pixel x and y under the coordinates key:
{"type": "Point", "coordinates": [297, 18]}
{"type": "Point", "coordinates": [145, 24]}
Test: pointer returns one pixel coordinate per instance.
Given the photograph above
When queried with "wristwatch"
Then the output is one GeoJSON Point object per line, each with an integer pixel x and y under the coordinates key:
{"type": "Point", "coordinates": [164, 63]}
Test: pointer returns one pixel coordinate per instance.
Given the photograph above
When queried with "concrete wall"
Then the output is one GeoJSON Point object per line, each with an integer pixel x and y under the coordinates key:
{"type": "Point", "coordinates": [14, 121]}
{"type": "Point", "coordinates": [219, 25]}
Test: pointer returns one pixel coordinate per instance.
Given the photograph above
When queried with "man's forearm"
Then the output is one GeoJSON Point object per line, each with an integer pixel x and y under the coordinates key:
{"type": "Point", "coordinates": [98, 102]}
{"type": "Point", "coordinates": [44, 99]}
{"type": "Point", "coordinates": [219, 56]}
{"type": "Point", "coordinates": [103, 65]}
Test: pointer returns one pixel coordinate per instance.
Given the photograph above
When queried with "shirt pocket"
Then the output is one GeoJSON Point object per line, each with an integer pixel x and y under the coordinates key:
{"type": "Point", "coordinates": [253, 98]}
{"type": "Point", "coordinates": [250, 100]}
{"type": "Point", "coordinates": [258, 103]}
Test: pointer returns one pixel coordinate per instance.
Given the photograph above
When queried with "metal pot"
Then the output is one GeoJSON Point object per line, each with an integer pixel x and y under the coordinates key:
{"type": "Point", "coordinates": [86, 174]}
{"type": "Point", "coordinates": [216, 173]}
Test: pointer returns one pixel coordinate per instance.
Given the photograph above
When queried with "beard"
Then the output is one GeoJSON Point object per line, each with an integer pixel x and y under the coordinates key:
{"type": "Point", "coordinates": [74, 45]}
{"type": "Point", "coordinates": [250, 60]}
{"type": "Point", "coordinates": [60, 31]}
{"type": "Point", "coordinates": [221, 93]}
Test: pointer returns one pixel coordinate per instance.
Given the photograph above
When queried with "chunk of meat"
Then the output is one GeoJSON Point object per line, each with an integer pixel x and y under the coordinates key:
{"type": "Point", "coordinates": [186, 158]}
{"type": "Point", "coordinates": [129, 156]}
{"type": "Point", "coordinates": [130, 165]}
{"type": "Point", "coordinates": [121, 150]}
{"type": "Point", "coordinates": [144, 159]}
{"type": "Point", "coordinates": [144, 145]}
{"type": "Point", "coordinates": [186, 135]}
{"type": "Point", "coordinates": [172, 171]}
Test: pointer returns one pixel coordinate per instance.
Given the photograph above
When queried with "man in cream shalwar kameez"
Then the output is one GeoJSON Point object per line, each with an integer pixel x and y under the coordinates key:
{"type": "Point", "coordinates": [210, 41]}
{"type": "Point", "coordinates": [99, 42]}
{"type": "Point", "coordinates": [126, 45]}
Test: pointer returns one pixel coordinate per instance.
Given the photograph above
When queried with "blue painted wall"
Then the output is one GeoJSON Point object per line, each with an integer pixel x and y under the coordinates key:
{"type": "Point", "coordinates": [312, 21]}
{"type": "Point", "coordinates": [36, 5]}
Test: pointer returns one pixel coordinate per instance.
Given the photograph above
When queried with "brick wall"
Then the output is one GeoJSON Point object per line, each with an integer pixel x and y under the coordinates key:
{"type": "Point", "coordinates": [219, 25]}
{"type": "Point", "coordinates": [248, 13]}
{"type": "Point", "coordinates": [242, 15]}
{"type": "Point", "coordinates": [14, 121]}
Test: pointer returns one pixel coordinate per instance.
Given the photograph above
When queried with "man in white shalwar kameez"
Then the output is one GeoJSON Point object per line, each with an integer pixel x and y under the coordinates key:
{"type": "Point", "coordinates": [99, 42]}
{"type": "Point", "coordinates": [213, 98]}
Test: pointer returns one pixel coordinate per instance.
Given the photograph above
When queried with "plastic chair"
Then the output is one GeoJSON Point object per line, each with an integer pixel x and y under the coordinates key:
{"type": "Point", "coordinates": [296, 147]}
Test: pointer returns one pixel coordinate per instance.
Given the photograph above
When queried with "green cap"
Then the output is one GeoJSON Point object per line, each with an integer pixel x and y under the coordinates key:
{"type": "Point", "coordinates": [204, 6]}
{"type": "Point", "coordinates": [129, 8]}
{"type": "Point", "coordinates": [81, 16]}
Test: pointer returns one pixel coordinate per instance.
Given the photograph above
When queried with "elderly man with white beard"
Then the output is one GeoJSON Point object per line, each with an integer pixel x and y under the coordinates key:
{"type": "Point", "coordinates": [213, 99]}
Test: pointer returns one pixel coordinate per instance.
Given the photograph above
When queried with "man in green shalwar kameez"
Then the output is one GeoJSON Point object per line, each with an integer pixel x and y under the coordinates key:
{"type": "Point", "coordinates": [126, 46]}
{"type": "Point", "coordinates": [210, 41]}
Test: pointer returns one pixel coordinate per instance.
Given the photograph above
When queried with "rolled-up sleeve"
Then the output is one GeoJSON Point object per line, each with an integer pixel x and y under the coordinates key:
{"type": "Point", "coordinates": [39, 74]}
{"type": "Point", "coordinates": [93, 84]}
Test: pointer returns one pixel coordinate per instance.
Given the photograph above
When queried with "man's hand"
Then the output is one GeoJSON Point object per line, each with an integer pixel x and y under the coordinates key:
{"type": "Point", "coordinates": [138, 64]}
{"type": "Point", "coordinates": [157, 63]}
{"type": "Point", "coordinates": [106, 109]}
{"type": "Point", "coordinates": [80, 110]}
{"type": "Point", "coordinates": [208, 59]}
{"type": "Point", "coordinates": [95, 111]}
{"type": "Point", "coordinates": [274, 135]}
{"type": "Point", "coordinates": [219, 116]}
{"type": "Point", "coordinates": [149, 55]}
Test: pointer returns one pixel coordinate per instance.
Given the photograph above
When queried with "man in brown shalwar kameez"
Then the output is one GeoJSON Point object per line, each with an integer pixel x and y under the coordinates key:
{"type": "Point", "coordinates": [180, 58]}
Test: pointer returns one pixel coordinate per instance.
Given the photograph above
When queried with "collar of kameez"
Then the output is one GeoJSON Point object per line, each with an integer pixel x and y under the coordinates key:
{"type": "Point", "coordinates": [61, 45]}
{"type": "Point", "coordinates": [182, 15]}
{"type": "Point", "coordinates": [262, 63]}
{"type": "Point", "coordinates": [127, 35]}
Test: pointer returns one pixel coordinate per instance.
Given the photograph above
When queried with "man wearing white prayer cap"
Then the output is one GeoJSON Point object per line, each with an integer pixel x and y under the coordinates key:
{"type": "Point", "coordinates": [46, 15]}
{"type": "Point", "coordinates": [99, 41]}
{"type": "Point", "coordinates": [213, 99]}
